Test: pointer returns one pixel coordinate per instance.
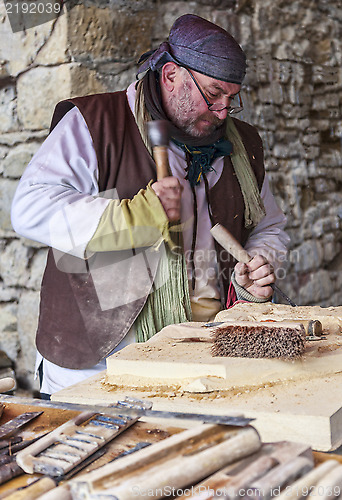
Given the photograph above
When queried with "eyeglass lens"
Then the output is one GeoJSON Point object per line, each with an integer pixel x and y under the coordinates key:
{"type": "Point", "coordinates": [235, 105]}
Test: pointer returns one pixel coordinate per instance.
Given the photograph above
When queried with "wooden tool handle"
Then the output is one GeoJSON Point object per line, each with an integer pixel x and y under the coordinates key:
{"type": "Point", "coordinates": [308, 481]}
{"type": "Point", "coordinates": [162, 161]}
{"type": "Point", "coordinates": [176, 471]}
{"type": "Point", "coordinates": [229, 243]}
{"type": "Point", "coordinates": [34, 490]}
{"type": "Point", "coordinates": [6, 384]}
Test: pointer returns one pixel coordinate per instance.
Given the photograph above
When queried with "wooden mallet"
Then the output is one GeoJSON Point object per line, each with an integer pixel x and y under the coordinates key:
{"type": "Point", "coordinates": [159, 136]}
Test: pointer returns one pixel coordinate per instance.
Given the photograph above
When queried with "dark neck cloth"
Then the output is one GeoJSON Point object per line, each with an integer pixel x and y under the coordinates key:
{"type": "Point", "coordinates": [201, 158]}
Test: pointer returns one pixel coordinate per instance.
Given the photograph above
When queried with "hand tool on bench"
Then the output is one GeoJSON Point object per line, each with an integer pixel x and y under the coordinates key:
{"type": "Point", "coordinates": [186, 457]}
{"type": "Point", "coordinates": [6, 384]}
{"type": "Point", "coordinates": [305, 484]}
{"type": "Point", "coordinates": [229, 243]}
{"type": "Point", "coordinates": [16, 423]}
{"type": "Point", "coordinates": [278, 478]}
{"type": "Point", "coordinates": [134, 408]}
{"type": "Point", "coordinates": [70, 444]}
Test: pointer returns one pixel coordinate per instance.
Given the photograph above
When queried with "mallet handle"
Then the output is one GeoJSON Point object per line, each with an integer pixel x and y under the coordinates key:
{"type": "Point", "coordinates": [162, 162]}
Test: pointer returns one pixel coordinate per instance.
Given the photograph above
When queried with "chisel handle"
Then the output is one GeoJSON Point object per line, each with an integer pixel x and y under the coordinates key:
{"type": "Point", "coordinates": [229, 243]}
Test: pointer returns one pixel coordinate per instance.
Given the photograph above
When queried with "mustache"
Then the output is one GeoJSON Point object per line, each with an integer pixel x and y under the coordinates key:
{"type": "Point", "coordinates": [214, 120]}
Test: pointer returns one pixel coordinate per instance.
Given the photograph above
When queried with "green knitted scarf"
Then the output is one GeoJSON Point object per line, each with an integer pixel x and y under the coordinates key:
{"type": "Point", "coordinates": [254, 207]}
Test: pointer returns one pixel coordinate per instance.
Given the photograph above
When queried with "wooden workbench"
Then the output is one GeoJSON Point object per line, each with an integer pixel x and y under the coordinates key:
{"type": "Point", "coordinates": [52, 418]}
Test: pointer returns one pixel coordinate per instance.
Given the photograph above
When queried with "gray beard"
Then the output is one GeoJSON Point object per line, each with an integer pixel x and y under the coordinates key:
{"type": "Point", "coordinates": [181, 110]}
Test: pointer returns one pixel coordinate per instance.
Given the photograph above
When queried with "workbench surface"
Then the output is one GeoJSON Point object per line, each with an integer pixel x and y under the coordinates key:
{"type": "Point", "coordinates": [52, 418]}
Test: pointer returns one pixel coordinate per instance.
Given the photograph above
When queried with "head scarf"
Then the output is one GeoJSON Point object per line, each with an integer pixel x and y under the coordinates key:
{"type": "Point", "coordinates": [202, 46]}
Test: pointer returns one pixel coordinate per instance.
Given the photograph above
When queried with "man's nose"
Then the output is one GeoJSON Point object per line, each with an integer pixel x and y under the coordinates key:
{"type": "Point", "coordinates": [222, 115]}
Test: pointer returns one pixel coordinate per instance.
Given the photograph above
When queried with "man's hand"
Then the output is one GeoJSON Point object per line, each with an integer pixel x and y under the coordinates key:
{"type": "Point", "coordinates": [169, 192]}
{"type": "Point", "coordinates": [255, 277]}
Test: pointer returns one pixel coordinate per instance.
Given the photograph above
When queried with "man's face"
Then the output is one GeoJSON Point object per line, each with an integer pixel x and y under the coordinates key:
{"type": "Point", "coordinates": [187, 108]}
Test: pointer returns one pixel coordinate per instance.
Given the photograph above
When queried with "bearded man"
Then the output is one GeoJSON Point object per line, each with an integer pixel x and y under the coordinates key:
{"type": "Point", "coordinates": [129, 253]}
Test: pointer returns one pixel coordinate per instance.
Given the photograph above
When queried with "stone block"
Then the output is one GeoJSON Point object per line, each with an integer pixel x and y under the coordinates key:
{"type": "Point", "coordinates": [311, 152]}
{"type": "Point", "coordinates": [281, 71]}
{"type": "Point", "coordinates": [41, 88]}
{"type": "Point", "coordinates": [307, 256]}
{"type": "Point", "coordinates": [326, 75]}
{"type": "Point", "coordinates": [267, 139]}
{"type": "Point", "coordinates": [7, 190]}
{"type": "Point", "coordinates": [284, 51]}
{"type": "Point", "coordinates": [16, 138]}
{"type": "Point", "coordinates": [299, 172]}
{"type": "Point", "coordinates": [14, 260]}
{"type": "Point", "coordinates": [290, 111]}
{"type": "Point", "coordinates": [233, 23]}
{"type": "Point", "coordinates": [8, 122]}
{"type": "Point", "coordinates": [331, 159]}
{"type": "Point", "coordinates": [325, 225]}
{"type": "Point", "coordinates": [264, 94]}
{"type": "Point", "coordinates": [106, 34]}
{"type": "Point", "coordinates": [9, 294]}
{"type": "Point", "coordinates": [312, 139]}
{"type": "Point", "coordinates": [20, 50]}
{"type": "Point", "coordinates": [315, 212]}
{"type": "Point", "coordinates": [296, 238]}
{"type": "Point", "coordinates": [321, 124]}
{"type": "Point", "coordinates": [323, 185]}
{"type": "Point", "coordinates": [17, 160]}
{"type": "Point", "coordinates": [331, 247]}
{"type": "Point", "coordinates": [3, 154]}
{"type": "Point", "coordinates": [293, 150]}
{"type": "Point", "coordinates": [28, 310]}
{"type": "Point", "coordinates": [300, 95]}
{"type": "Point", "coordinates": [55, 49]}
{"type": "Point", "coordinates": [334, 300]}
{"type": "Point", "coordinates": [317, 288]}
{"type": "Point", "coordinates": [298, 75]}
{"type": "Point", "coordinates": [84, 81]}
{"type": "Point", "coordinates": [9, 339]}
{"type": "Point", "coordinates": [266, 116]}
{"type": "Point", "coordinates": [322, 102]}
{"type": "Point", "coordinates": [116, 81]}
{"type": "Point", "coordinates": [37, 266]}
{"type": "Point", "coordinates": [301, 50]}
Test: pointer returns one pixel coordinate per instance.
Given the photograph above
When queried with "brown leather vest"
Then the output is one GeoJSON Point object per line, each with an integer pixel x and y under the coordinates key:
{"type": "Point", "coordinates": [75, 330]}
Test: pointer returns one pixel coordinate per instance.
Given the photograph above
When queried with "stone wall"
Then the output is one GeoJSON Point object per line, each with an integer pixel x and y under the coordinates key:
{"type": "Point", "coordinates": [292, 93]}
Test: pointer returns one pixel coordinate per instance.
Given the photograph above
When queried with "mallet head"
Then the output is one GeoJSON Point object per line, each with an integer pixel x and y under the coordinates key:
{"type": "Point", "coordinates": [158, 132]}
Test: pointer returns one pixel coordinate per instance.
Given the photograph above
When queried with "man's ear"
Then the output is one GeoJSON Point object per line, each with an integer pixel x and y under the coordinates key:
{"type": "Point", "coordinates": [169, 75]}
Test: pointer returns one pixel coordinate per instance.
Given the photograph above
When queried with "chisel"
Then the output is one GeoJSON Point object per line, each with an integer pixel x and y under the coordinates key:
{"type": "Point", "coordinates": [229, 243]}
{"type": "Point", "coordinates": [134, 407]}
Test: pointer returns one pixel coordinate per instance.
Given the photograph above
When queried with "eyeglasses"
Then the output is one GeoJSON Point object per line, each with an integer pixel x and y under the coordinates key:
{"type": "Point", "coordinates": [233, 108]}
